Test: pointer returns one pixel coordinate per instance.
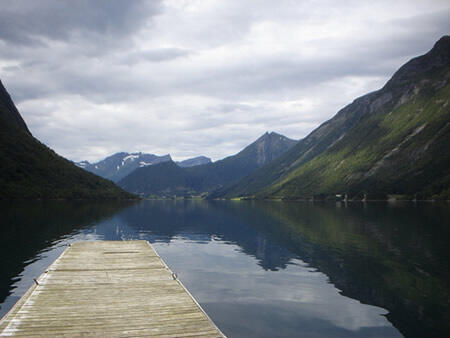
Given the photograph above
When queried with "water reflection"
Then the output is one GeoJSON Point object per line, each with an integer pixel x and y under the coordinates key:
{"type": "Point", "coordinates": [391, 255]}
{"type": "Point", "coordinates": [33, 234]}
{"type": "Point", "coordinates": [267, 268]}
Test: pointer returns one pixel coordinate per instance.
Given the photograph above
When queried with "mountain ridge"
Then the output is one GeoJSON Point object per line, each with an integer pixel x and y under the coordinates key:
{"type": "Point", "coordinates": [207, 177]}
{"type": "Point", "coordinates": [117, 166]}
{"type": "Point", "coordinates": [194, 161]}
{"type": "Point", "coordinates": [419, 83]}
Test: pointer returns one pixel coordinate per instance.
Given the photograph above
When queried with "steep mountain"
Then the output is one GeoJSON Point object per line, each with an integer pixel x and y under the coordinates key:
{"type": "Point", "coordinates": [119, 165]}
{"type": "Point", "coordinates": [9, 114]}
{"type": "Point", "coordinates": [391, 141]}
{"type": "Point", "coordinates": [174, 180]}
{"type": "Point", "coordinates": [32, 170]}
{"type": "Point", "coordinates": [191, 162]}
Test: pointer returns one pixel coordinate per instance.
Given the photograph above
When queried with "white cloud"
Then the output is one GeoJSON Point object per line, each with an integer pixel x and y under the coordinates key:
{"type": "Point", "coordinates": [200, 77]}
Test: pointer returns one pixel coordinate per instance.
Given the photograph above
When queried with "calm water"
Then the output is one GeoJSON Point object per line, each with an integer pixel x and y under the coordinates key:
{"type": "Point", "coordinates": [272, 269]}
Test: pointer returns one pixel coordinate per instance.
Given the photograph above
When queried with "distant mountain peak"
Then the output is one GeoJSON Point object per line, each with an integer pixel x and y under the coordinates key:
{"type": "Point", "coordinates": [120, 164]}
{"type": "Point", "coordinates": [269, 146]}
{"type": "Point", "coordinates": [82, 164]}
{"type": "Point", "coordinates": [443, 42]}
{"type": "Point", "coordinates": [390, 141]}
{"type": "Point", "coordinates": [166, 180]}
{"type": "Point", "coordinates": [272, 136]}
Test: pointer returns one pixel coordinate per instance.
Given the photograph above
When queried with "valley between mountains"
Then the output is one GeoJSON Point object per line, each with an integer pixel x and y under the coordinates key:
{"type": "Point", "coordinates": [392, 143]}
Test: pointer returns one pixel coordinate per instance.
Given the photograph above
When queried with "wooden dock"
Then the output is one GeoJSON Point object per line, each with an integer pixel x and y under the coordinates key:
{"type": "Point", "coordinates": [109, 289]}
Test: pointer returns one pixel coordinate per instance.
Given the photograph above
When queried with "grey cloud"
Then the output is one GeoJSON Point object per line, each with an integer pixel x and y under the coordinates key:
{"type": "Point", "coordinates": [406, 36]}
{"type": "Point", "coordinates": [25, 22]}
{"type": "Point", "coordinates": [154, 55]}
{"type": "Point", "coordinates": [164, 54]}
{"type": "Point", "coordinates": [362, 57]}
{"type": "Point", "coordinates": [231, 107]}
{"type": "Point", "coordinates": [201, 79]}
{"type": "Point", "coordinates": [244, 78]}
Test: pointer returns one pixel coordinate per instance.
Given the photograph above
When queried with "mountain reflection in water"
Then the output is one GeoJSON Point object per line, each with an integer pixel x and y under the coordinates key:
{"type": "Point", "coordinates": [264, 268]}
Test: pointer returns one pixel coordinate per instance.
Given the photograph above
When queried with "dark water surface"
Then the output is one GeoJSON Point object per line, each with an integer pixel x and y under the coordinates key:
{"type": "Point", "coordinates": [273, 269]}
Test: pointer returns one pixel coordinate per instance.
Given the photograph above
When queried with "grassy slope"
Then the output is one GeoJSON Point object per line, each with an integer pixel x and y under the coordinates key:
{"type": "Point", "coordinates": [306, 149]}
{"type": "Point", "coordinates": [398, 152]}
{"type": "Point", "coordinates": [344, 149]}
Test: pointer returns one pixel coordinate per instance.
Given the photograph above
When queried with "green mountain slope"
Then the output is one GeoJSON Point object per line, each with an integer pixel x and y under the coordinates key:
{"type": "Point", "coordinates": [167, 179]}
{"type": "Point", "coordinates": [392, 141]}
{"type": "Point", "coordinates": [32, 170]}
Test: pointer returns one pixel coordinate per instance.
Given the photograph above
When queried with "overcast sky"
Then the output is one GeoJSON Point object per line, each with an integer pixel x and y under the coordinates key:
{"type": "Point", "coordinates": [199, 77]}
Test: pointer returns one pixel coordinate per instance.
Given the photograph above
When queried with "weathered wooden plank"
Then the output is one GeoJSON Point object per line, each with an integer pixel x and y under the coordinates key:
{"type": "Point", "coordinates": [112, 289]}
